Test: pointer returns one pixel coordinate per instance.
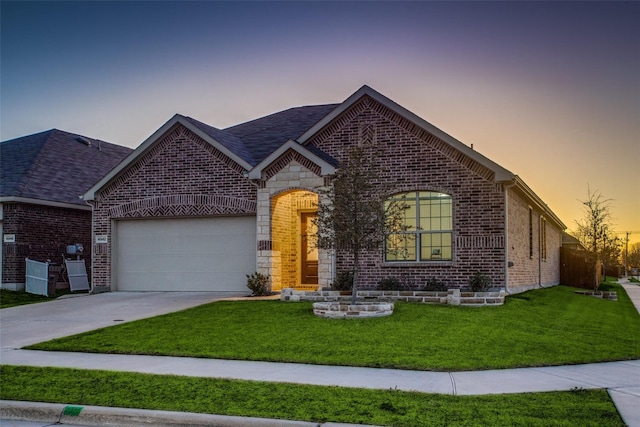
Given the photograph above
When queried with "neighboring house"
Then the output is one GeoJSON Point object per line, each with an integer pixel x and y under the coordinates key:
{"type": "Point", "coordinates": [42, 179]}
{"type": "Point", "coordinates": [195, 208]}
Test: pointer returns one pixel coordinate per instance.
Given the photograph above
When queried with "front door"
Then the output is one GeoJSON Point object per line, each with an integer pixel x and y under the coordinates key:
{"type": "Point", "coordinates": [309, 253]}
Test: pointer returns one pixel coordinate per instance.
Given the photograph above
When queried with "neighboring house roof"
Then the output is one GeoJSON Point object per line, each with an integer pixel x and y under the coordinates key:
{"type": "Point", "coordinates": [54, 167]}
{"type": "Point", "coordinates": [570, 241]}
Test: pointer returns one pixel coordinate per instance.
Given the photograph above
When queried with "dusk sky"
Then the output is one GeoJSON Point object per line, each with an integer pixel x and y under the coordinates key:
{"type": "Point", "coordinates": [550, 91]}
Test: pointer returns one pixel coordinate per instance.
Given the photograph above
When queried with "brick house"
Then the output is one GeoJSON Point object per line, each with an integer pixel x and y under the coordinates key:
{"type": "Point", "coordinates": [42, 178]}
{"type": "Point", "coordinates": [196, 208]}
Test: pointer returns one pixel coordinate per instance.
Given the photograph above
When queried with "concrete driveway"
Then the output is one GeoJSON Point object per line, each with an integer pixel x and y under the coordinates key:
{"type": "Point", "coordinates": [30, 324]}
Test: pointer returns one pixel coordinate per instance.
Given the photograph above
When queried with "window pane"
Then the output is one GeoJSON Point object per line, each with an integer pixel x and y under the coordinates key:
{"type": "Point", "coordinates": [435, 246]}
{"type": "Point", "coordinates": [445, 224]}
{"type": "Point", "coordinates": [401, 247]}
{"type": "Point", "coordinates": [446, 207]}
{"type": "Point", "coordinates": [428, 221]}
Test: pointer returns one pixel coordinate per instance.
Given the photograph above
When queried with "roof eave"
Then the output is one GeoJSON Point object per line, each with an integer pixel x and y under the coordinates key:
{"type": "Point", "coordinates": [533, 198]}
{"type": "Point", "coordinates": [31, 201]}
{"type": "Point", "coordinates": [500, 173]}
{"type": "Point", "coordinates": [150, 141]}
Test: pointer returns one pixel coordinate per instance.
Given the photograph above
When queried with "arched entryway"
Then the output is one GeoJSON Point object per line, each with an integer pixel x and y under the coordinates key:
{"type": "Point", "coordinates": [294, 261]}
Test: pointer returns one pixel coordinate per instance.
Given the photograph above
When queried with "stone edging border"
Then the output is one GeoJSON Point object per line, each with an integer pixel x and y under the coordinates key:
{"type": "Point", "coordinates": [450, 297]}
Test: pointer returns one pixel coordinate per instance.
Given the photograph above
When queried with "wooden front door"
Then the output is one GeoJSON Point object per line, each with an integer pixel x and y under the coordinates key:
{"type": "Point", "coordinates": [309, 253]}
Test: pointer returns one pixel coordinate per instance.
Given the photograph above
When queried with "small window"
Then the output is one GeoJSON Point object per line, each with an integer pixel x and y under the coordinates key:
{"type": "Point", "coordinates": [427, 229]}
{"type": "Point", "coordinates": [543, 238]}
{"type": "Point", "coordinates": [530, 233]}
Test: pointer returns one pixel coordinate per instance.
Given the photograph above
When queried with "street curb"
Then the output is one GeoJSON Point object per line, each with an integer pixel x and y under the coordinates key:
{"type": "Point", "coordinates": [58, 413]}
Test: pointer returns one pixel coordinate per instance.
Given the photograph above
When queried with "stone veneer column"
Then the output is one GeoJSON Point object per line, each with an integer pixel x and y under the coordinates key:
{"type": "Point", "coordinates": [292, 177]}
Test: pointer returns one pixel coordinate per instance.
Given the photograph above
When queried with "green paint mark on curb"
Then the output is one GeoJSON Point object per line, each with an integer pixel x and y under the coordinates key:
{"type": "Point", "coordinates": [72, 411]}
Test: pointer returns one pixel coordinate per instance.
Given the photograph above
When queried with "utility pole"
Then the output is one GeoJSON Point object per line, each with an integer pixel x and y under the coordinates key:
{"type": "Point", "coordinates": [626, 253]}
{"type": "Point", "coordinates": [626, 249]}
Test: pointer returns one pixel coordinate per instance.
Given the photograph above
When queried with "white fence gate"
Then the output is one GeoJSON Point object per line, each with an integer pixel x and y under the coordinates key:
{"type": "Point", "coordinates": [37, 277]}
{"type": "Point", "coordinates": [77, 272]}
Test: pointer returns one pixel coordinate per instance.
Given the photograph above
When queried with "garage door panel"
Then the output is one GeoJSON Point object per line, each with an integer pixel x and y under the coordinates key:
{"type": "Point", "coordinates": [196, 254]}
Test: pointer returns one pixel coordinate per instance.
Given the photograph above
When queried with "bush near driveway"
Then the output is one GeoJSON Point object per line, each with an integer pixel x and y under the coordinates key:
{"type": "Point", "coordinates": [538, 328]}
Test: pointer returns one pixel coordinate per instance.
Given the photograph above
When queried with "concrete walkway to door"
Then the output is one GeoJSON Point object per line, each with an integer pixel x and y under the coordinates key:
{"type": "Point", "coordinates": [39, 322]}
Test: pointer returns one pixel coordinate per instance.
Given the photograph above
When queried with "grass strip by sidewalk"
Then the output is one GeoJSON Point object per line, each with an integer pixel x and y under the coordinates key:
{"type": "Point", "coordinates": [543, 327]}
{"type": "Point", "coordinates": [304, 402]}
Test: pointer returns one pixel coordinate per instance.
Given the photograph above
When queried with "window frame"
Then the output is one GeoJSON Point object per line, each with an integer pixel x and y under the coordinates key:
{"type": "Point", "coordinates": [424, 228]}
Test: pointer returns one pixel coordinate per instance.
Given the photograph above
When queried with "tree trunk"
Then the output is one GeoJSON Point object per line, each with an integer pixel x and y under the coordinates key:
{"type": "Point", "coordinates": [356, 270]}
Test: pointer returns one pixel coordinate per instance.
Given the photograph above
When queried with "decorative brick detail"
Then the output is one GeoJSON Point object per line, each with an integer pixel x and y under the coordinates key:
{"type": "Point", "coordinates": [412, 159]}
{"type": "Point", "coordinates": [184, 205]}
{"type": "Point", "coordinates": [178, 135]}
{"type": "Point", "coordinates": [265, 245]}
{"type": "Point", "coordinates": [480, 242]}
{"type": "Point", "coordinates": [180, 175]}
{"type": "Point", "coordinates": [284, 160]}
{"type": "Point", "coordinates": [385, 113]}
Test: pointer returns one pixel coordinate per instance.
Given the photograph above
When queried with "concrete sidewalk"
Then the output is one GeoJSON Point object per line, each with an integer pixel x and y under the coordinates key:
{"type": "Point", "coordinates": [622, 379]}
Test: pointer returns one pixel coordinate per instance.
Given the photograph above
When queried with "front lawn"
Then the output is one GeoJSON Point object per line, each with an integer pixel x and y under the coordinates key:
{"type": "Point", "coordinates": [305, 402]}
{"type": "Point", "coordinates": [538, 328]}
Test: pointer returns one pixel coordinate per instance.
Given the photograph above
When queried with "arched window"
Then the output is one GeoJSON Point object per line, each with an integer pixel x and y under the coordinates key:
{"type": "Point", "coordinates": [427, 229]}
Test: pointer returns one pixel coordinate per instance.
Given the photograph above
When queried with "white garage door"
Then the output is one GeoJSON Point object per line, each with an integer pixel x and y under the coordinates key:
{"type": "Point", "coordinates": [195, 254]}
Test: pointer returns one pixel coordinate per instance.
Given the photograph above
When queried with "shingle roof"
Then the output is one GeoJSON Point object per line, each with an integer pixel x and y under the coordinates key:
{"type": "Point", "coordinates": [227, 139]}
{"type": "Point", "coordinates": [262, 136]}
{"type": "Point", "coordinates": [55, 166]}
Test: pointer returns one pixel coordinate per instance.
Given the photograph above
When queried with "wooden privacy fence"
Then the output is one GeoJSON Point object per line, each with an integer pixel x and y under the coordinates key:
{"type": "Point", "coordinates": [576, 269]}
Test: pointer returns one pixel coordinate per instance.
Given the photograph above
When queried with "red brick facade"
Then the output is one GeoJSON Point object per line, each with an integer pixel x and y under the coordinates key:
{"type": "Point", "coordinates": [42, 233]}
{"type": "Point", "coordinates": [181, 175]}
{"type": "Point", "coordinates": [415, 160]}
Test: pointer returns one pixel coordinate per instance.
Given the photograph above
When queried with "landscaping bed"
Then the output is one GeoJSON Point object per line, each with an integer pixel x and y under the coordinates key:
{"type": "Point", "coordinates": [450, 297]}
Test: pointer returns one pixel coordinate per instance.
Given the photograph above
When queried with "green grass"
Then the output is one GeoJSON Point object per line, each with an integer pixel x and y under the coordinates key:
{"type": "Point", "coordinates": [538, 328]}
{"type": "Point", "coordinates": [12, 298]}
{"type": "Point", "coordinates": [304, 402]}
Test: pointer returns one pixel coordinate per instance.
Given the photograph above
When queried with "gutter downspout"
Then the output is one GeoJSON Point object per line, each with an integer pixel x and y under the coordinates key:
{"type": "Point", "coordinates": [540, 251]}
{"type": "Point", "coordinates": [93, 246]}
{"type": "Point", "coordinates": [506, 235]}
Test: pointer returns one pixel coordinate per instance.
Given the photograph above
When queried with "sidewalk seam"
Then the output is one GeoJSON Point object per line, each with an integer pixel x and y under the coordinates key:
{"type": "Point", "coordinates": [453, 384]}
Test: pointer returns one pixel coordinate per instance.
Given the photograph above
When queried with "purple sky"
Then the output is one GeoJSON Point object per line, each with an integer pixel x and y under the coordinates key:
{"type": "Point", "coordinates": [549, 90]}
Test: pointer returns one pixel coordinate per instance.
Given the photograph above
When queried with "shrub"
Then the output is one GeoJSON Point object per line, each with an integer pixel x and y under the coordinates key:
{"type": "Point", "coordinates": [258, 284]}
{"type": "Point", "coordinates": [434, 285]}
{"type": "Point", "coordinates": [479, 282]}
{"type": "Point", "coordinates": [343, 282]}
{"type": "Point", "coordinates": [390, 284]}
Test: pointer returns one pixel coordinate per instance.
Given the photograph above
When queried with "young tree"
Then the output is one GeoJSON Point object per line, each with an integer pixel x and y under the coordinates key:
{"type": "Point", "coordinates": [593, 229]}
{"type": "Point", "coordinates": [611, 250]}
{"type": "Point", "coordinates": [633, 256]}
{"type": "Point", "coordinates": [353, 213]}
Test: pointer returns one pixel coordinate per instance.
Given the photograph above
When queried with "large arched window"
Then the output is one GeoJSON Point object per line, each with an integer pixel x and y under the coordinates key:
{"type": "Point", "coordinates": [426, 234]}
